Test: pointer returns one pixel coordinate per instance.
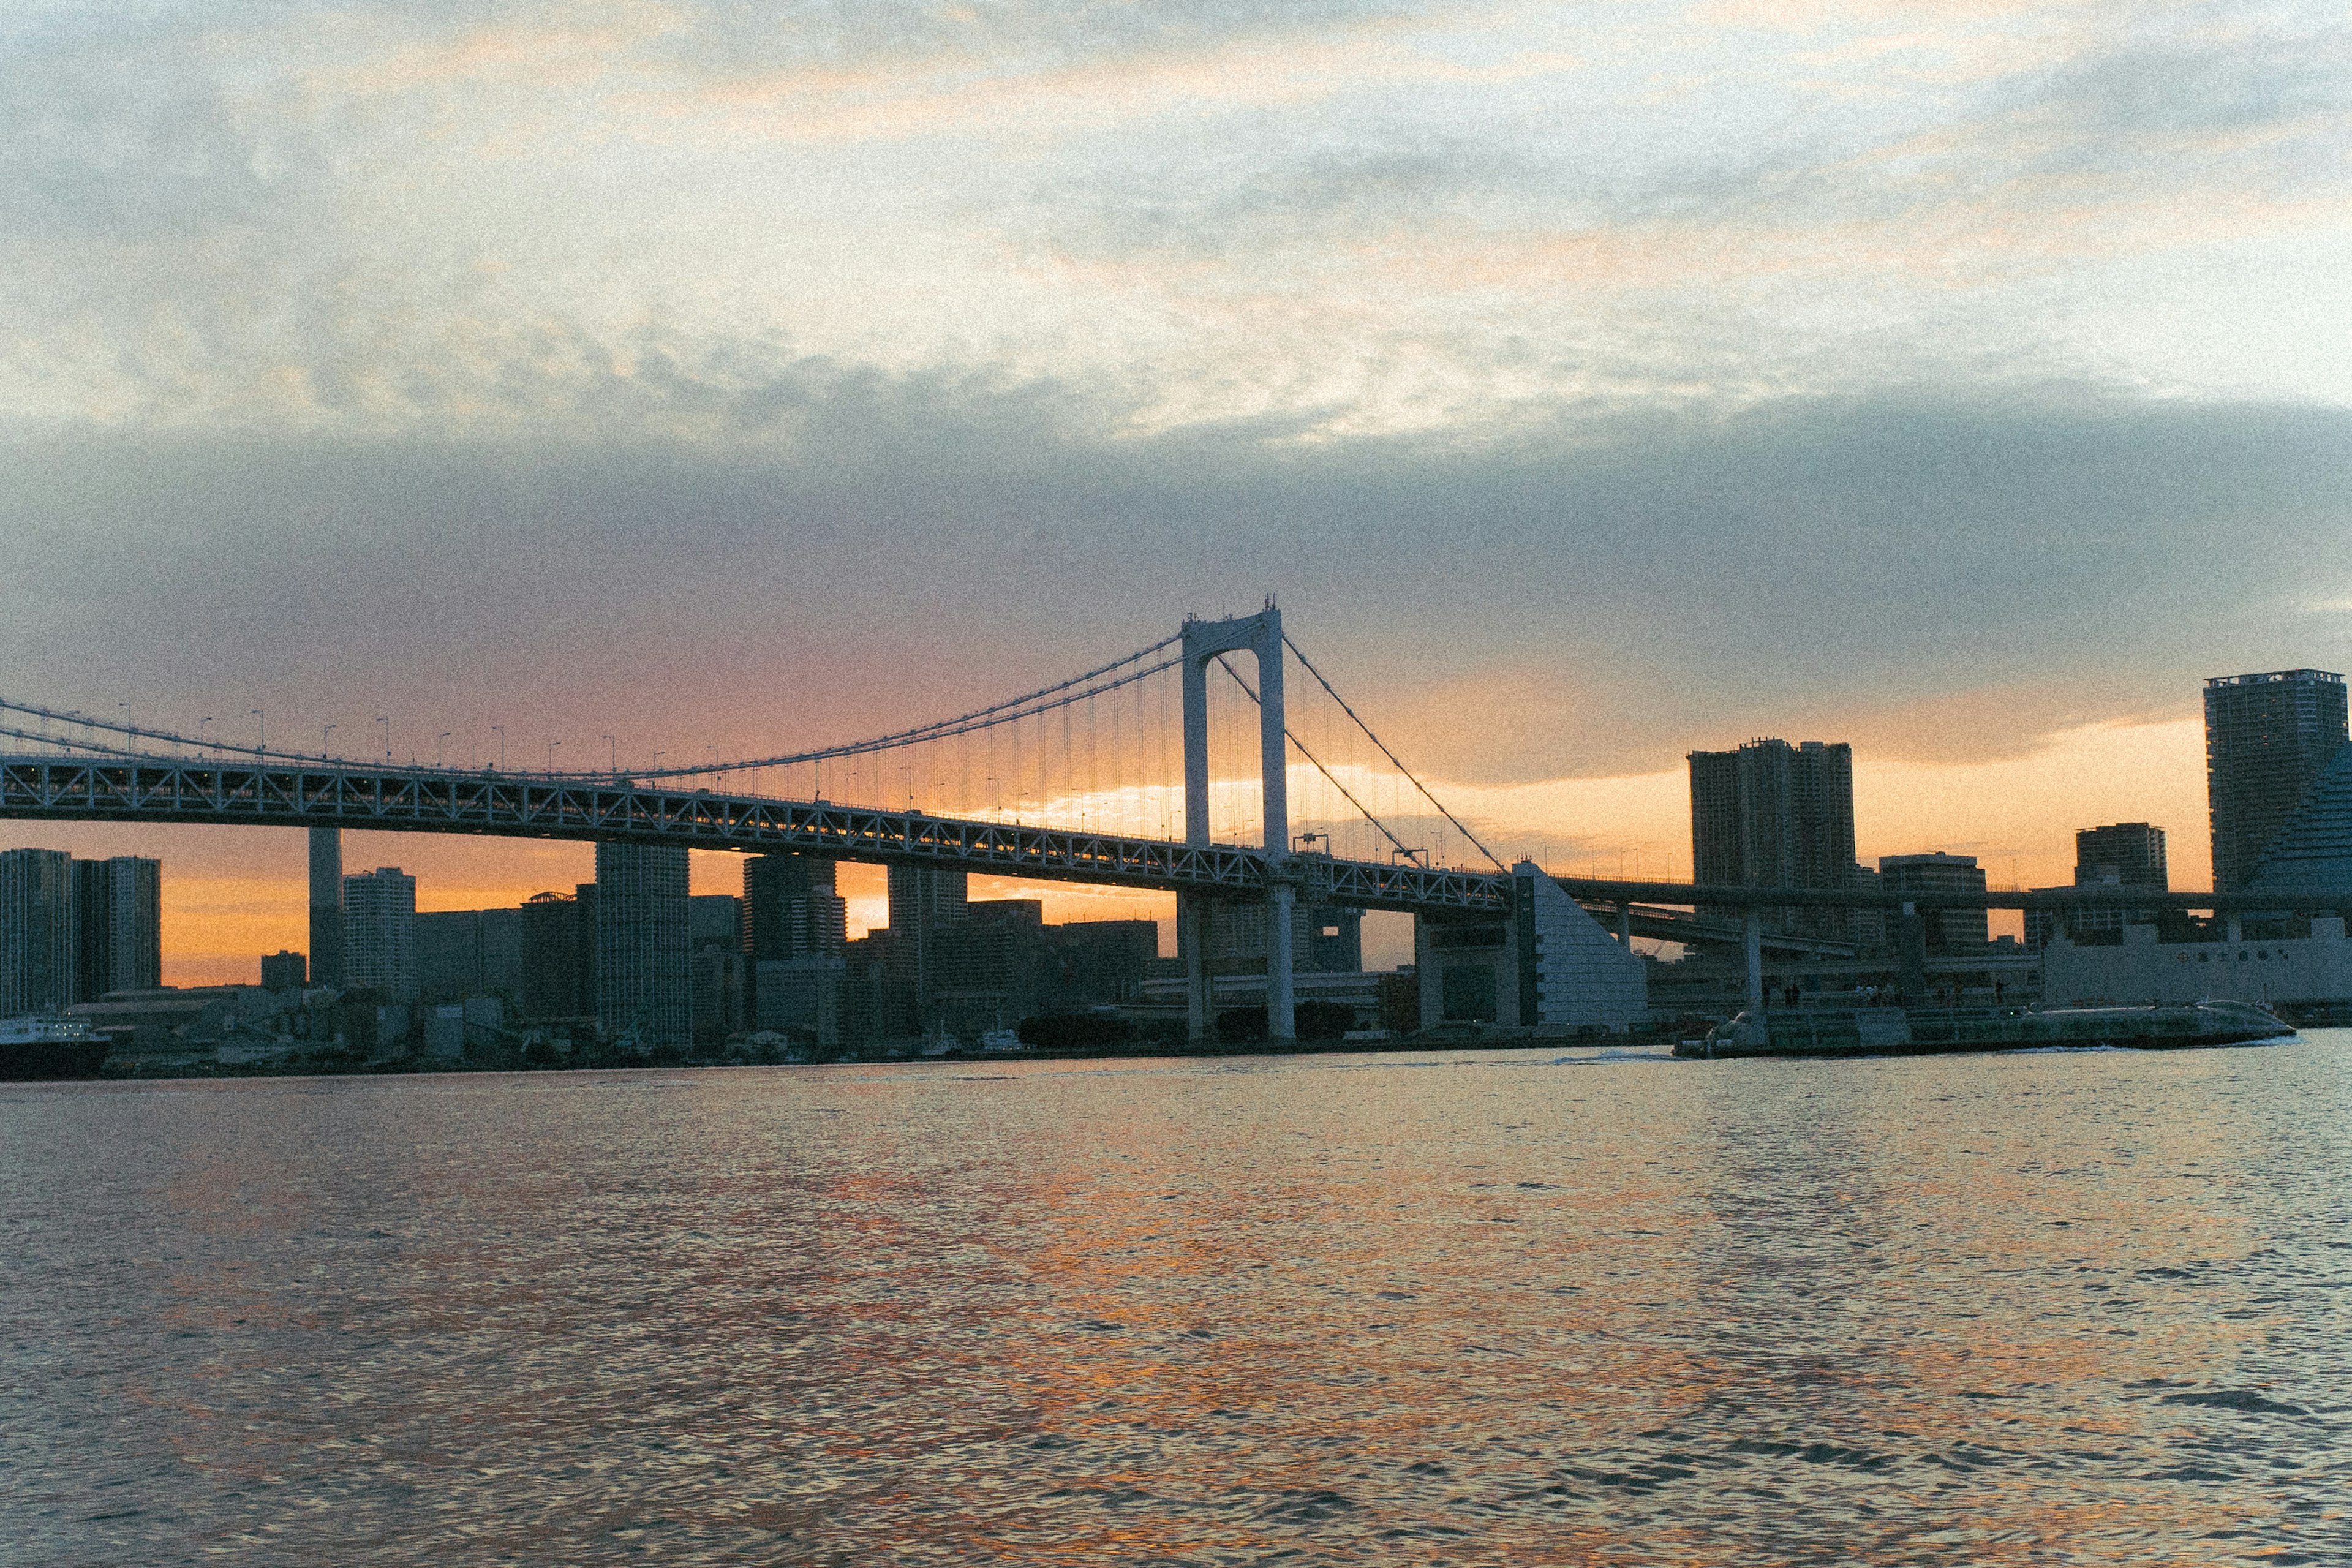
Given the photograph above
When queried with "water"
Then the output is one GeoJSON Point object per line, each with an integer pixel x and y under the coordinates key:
{"type": "Point", "coordinates": [1524, 1306]}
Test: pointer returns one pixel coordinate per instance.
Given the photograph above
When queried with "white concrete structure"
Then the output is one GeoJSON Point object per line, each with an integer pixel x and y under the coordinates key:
{"type": "Point", "coordinates": [2314, 969]}
{"type": "Point", "coordinates": [1547, 965]}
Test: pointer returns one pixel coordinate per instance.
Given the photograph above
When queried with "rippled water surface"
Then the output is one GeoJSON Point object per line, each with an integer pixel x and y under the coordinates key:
{"type": "Point", "coordinates": [1512, 1308]}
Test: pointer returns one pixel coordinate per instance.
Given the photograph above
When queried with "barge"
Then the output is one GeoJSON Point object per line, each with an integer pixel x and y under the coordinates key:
{"type": "Point", "coordinates": [1922, 1031]}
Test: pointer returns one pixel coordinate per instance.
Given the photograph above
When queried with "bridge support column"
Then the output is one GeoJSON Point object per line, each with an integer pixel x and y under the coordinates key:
{"type": "Point", "coordinates": [1625, 925]}
{"type": "Point", "coordinates": [1259, 636]}
{"type": "Point", "coordinates": [1755, 959]}
{"type": "Point", "coordinates": [1912, 947]}
{"type": "Point", "coordinates": [1192, 938]}
{"type": "Point", "coordinates": [1281, 1002]}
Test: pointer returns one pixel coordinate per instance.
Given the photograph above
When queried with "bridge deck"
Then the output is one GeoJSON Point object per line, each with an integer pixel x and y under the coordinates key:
{"type": "Point", "coordinates": [520, 807]}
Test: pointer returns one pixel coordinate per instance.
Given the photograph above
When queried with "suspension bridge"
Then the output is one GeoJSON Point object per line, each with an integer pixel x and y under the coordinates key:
{"type": "Point", "coordinates": [1082, 780]}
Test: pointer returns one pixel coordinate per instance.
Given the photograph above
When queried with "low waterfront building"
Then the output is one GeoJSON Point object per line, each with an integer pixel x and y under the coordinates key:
{"type": "Point", "coordinates": [2315, 971]}
{"type": "Point", "coordinates": [1547, 965]}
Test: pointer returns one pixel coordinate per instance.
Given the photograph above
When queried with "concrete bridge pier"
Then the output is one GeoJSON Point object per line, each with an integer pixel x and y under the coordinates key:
{"type": "Point", "coordinates": [1755, 959]}
{"type": "Point", "coordinates": [1260, 636]}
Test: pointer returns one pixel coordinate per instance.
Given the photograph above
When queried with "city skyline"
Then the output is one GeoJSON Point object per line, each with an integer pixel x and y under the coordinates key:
{"type": "Point", "coordinates": [1597, 385]}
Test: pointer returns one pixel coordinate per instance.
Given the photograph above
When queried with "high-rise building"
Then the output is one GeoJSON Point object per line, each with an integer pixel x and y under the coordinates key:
{"type": "Point", "coordinates": [119, 913]}
{"type": "Point", "coordinates": [379, 945]}
{"type": "Point", "coordinates": [468, 952]}
{"type": "Point", "coordinates": [1771, 815]}
{"type": "Point", "coordinates": [714, 947]}
{"type": "Point", "coordinates": [795, 928]}
{"type": "Point", "coordinates": [284, 970]}
{"type": "Point", "coordinates": [551, 958]}
{"type": "Point", "coordinates": [2268, 738]}
{"type": "Point", "coordinates": [791, 909]}
{"type": "Point", "coordinates": [644, 984]}
{"type": "Point", "coordinates": [1947, 930]}
{"type": "Point", "coordinates": [36, 932]}
{"type": "Point", "coordinates": [327, 907]}
{"type": "Point", "coordinates": [926, 916]}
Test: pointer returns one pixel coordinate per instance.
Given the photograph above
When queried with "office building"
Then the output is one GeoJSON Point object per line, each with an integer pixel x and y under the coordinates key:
{"type": "Point", "coordinates": [1947, 931]}
{"type": "Point", "coordinates": [468, 952]}
{"type": "Point", "coordinates": [795, 928]}
{"type": "Point", "coordinates": [791, 909]}
{"type": "Point", "coordinates": [284, 970]}
{"type": "Point", "coordinates": [550, 982]}
{"type": "Point", "coordinates": [645, 987]}
{"type": "Point", "coordinates": [2132, 851]}
{"type": "Point", "coordinates": [119, 920]}
{"type": "Point", "coordinates": [1095, 962]}
{"type": "Point", "coordinates": [1771, 815]}
{"type": "Point", "coordinates": [715, 945]}
{"type": "Point", "coordinates": [379, 945]}
{"type": "Point", "coordinates": [327, 906]}
{"type": "Point", "coordinates": [37, 973]}
{"type": "Point", "coordinates": [927, 911]}
{"type": "Point", "coordinates": [2121, 855]}
{"type": "Point", "coordinates": [1324, 939]}
{"type": "Point", "coordinates": [2268, 739]}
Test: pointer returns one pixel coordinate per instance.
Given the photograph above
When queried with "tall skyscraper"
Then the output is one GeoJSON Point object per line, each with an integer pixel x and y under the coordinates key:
{"type": "Point", "coordinates": [118, 910]}
{"type": "Point", "coordinates": [36, 932]}
{"type": "Point", "coordinates": [2268, 738]}
{"type": "Point", "coordinates": [927, 917]}
{"type": "Point", "coordinates": [550, 957]}
{"type": "Point", "coordinates": [1771, 815]}
{"type": "Point", "coordinates": [378, 936]}
{"type": "Point", "coordinates": [327, 906]}
{"type": "Point", "coordinates": [795, 935]}
{"type": "Point", "coordinates": [645, 984]}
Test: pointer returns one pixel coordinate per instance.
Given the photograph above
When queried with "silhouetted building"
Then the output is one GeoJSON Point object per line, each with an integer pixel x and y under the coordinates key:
{"type": "Point", "coordinates": [1324, 939]}
{"type": "Point", "coordinates": [552, 986]}
{"type": "Point", "coordinates": [379, 933]}
{"type": "Point", "coordinates": [2121, 855]}
{"type": "Point", "coordinates": [584, 904]}
{"type": "Point", "coordinates": [327, 906]}
{"type": "Point", "coordinates": [1947, 931]}
{"type": "Point", "coordinates": [2132, 851]}
{"type": "Point", "coordinates": [468, 952]}
{"type": "Point", "coordinates": [926, 916]}
{"type": "Point", "coordinates": [119, 916]}
{"type": "Point", "coordinates": [643, 978]}
{"type": "Point", "coordinates": [1094, 962]}
{"type": "Point", "coordinates": [1771, 815]}
{"type": "Point", "coordinates": [2268, 738]}
{"type": "Point", "coordinates": [36, 932]}
{"type": "Point", "coordinates": [714, 942]}
{"type": "Point", "coordinates": [795, 927]}
{"type": "Point", "coordinates": [284, 970]}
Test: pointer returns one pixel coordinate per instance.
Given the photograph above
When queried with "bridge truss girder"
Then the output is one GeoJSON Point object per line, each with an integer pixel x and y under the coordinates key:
{"type": "Point", "coordinates": [511, 805]}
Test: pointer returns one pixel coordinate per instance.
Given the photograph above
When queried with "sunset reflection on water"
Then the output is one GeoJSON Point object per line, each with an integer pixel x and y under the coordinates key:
{"type": "Point", "coordinates": [1524, 1306]}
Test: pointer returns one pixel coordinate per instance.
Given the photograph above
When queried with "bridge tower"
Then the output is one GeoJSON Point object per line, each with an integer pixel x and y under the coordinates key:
{"type": "Point", "coordinates": [1259, 636]}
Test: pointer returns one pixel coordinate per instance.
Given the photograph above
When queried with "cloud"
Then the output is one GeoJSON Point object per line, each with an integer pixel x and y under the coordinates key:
{"type": "Point", "coordinates": [1950, 578]}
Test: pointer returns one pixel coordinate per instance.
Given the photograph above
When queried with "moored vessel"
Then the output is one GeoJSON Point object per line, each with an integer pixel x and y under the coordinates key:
{"type": "Point", "coordinates": [1924, 1031]}
{"type": "Point", "coordinates": [47, 1047]}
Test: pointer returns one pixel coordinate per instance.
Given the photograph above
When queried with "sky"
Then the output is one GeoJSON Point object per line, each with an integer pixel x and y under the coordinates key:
{"type": "Point", "coordinates": [1592, 383]}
